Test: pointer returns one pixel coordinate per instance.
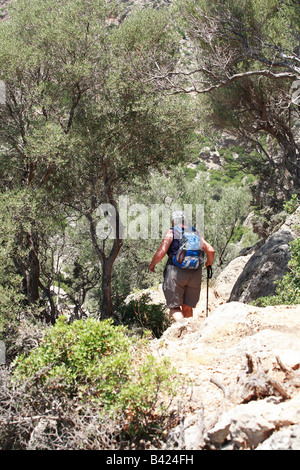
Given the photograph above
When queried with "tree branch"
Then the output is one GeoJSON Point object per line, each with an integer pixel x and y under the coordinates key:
{"type": "Point", "coordinates": [223, 83]}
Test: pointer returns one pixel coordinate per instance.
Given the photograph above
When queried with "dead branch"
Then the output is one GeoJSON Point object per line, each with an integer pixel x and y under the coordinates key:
{"type": "Point", "coordinates": [257, 384]}
{"type": "Point", "coordinates": [284, 368]}
{"type": "Point", "coordinates": [219, 385]}
{"type": "Point", "coordinates": [238, 76]}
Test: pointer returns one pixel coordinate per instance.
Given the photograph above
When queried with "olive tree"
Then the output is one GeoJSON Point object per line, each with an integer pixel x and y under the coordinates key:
{"type": "Point", "coordinates": [79, 122]}
{"type": "Point", "coordinates": [244, 63]}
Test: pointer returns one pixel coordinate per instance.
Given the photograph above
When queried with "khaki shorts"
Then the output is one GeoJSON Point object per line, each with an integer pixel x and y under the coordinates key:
{"type": "Point", "coordinates": [182, 286]}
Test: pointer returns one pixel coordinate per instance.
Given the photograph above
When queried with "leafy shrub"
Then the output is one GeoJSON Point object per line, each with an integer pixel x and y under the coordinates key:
{"type": "Point", "coordinates": [291, 205]}
{"type": "Point", "coordinates": [144, 314]}
{"type": "Point", "coordinates": [81, 356]}
{"type": "Point", "coordinates": [97, 362]}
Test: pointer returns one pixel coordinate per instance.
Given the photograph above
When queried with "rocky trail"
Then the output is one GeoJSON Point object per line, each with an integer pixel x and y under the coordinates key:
{"type": "Point", "coordinates": [243, 363]}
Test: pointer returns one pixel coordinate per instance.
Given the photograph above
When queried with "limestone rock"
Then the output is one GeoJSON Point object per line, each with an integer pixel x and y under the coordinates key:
{"type": "Point", "coordinates": [241, 410]}
{"type": "Point", "coordinates": [246, 426]}
{"type": "Point", "coordinates": [268, 264]}
{"type": "Point", "coordinates": [286, 439]}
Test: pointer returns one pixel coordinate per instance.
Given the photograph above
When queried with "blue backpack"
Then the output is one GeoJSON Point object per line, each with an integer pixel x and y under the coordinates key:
{"type": "Point", "coordinates": [190, 254]}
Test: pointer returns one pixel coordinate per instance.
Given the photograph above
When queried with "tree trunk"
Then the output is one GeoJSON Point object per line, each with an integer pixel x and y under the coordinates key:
{"type": "Point", "coordinates": [34, 270]}
{"type": "Point", "coordinates": [32, 278]}
{"type": "Point", "coordinates": [53, 311]}
{"type": "Point", "coordinates": [107, 262]}
{"type": "Point", "coordinates": [29, 265]}
{"type": "Point", "coordinates": [106, 302]}
{"type": "Point", "coordinates": [291, 152]}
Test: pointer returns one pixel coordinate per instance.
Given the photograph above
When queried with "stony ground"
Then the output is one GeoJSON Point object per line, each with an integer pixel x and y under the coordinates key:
{"type": "Point", "coordinates": [216, 346]}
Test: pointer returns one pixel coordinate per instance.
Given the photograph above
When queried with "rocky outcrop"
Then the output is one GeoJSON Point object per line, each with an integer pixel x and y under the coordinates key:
{"type": "Point", "coordinates": [211, 158]}
{"type": "Point", "coordinates": [267, 265]}
{"type": "Point", "coordinates": [244, 364]}
{"type": "Point", "coordinates": [255, 426]}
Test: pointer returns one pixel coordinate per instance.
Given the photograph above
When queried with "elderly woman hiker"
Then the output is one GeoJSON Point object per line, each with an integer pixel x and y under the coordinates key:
{"type": "Point", "coordinates": [185, 248]}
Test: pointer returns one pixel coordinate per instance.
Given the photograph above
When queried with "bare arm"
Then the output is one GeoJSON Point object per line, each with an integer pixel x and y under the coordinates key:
{"type": "Point", "coordinates": [210, 252]}
{"type": "Point", "coordinates": [162, 250]}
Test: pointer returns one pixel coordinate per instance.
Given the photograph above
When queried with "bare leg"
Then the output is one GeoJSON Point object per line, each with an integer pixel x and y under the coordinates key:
{"type": "Point", "coordinates": [176, 313]}
{"type": "Point", "coordinates": [179, 313]}
{"type": "Point", "coordinates": [187, 311]}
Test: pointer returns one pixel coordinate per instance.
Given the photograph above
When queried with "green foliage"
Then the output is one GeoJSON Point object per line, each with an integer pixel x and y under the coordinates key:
{"type": "Point", "coordinates": [224, 218]}
{"type": "Point", "coordinates": [142, 313]}
{"type": "Point", "coordinates": [81, 121]}
{"type": "Point", "coordinates": [98, 361]}
{"type": "Point", "coordinates": [247, 54]}
{"type": "Point", "coordinates": [81, 356]}
{"type": "Point", "coordinates": [291, 205]}
{"type": "Point", "coordinates": [27, 223]}
{"type": "Point", "coordinates": [12, 208]}
{"type": "Point", "coordinates": [251, 20]}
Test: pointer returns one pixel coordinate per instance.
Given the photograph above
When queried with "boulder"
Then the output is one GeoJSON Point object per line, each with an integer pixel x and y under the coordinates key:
{"type": "Point", "coordinates": [266, 266]}
{"type": "Point", "coordinates": [226, 280]}
{"type": "Point", "coordinates": [247, 426]}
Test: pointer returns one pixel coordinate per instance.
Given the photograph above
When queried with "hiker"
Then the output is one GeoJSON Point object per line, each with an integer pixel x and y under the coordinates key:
{"type": "Point", "coordinates": [181, 287]}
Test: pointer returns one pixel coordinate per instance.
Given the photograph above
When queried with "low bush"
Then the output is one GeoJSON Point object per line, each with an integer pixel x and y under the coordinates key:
{"type": "Point", "coordinates": [142, 313]}
{"type": "Point", "coordinates": [35, 417]}
{"type": "Point", "coordinates": [93, 365]}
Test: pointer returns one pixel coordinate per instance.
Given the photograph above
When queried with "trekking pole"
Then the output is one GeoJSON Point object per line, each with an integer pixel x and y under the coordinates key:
{"type": "Point", "coordinates": [209, 276]}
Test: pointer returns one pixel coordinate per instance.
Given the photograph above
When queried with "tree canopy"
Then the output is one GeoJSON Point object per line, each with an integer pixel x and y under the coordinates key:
{"type": "Point", "coordinates": [246, 64]}
{"type": "Point", "coordinates": [79, 125]}
{"type": "Point", "coordinates": [100, 96]}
